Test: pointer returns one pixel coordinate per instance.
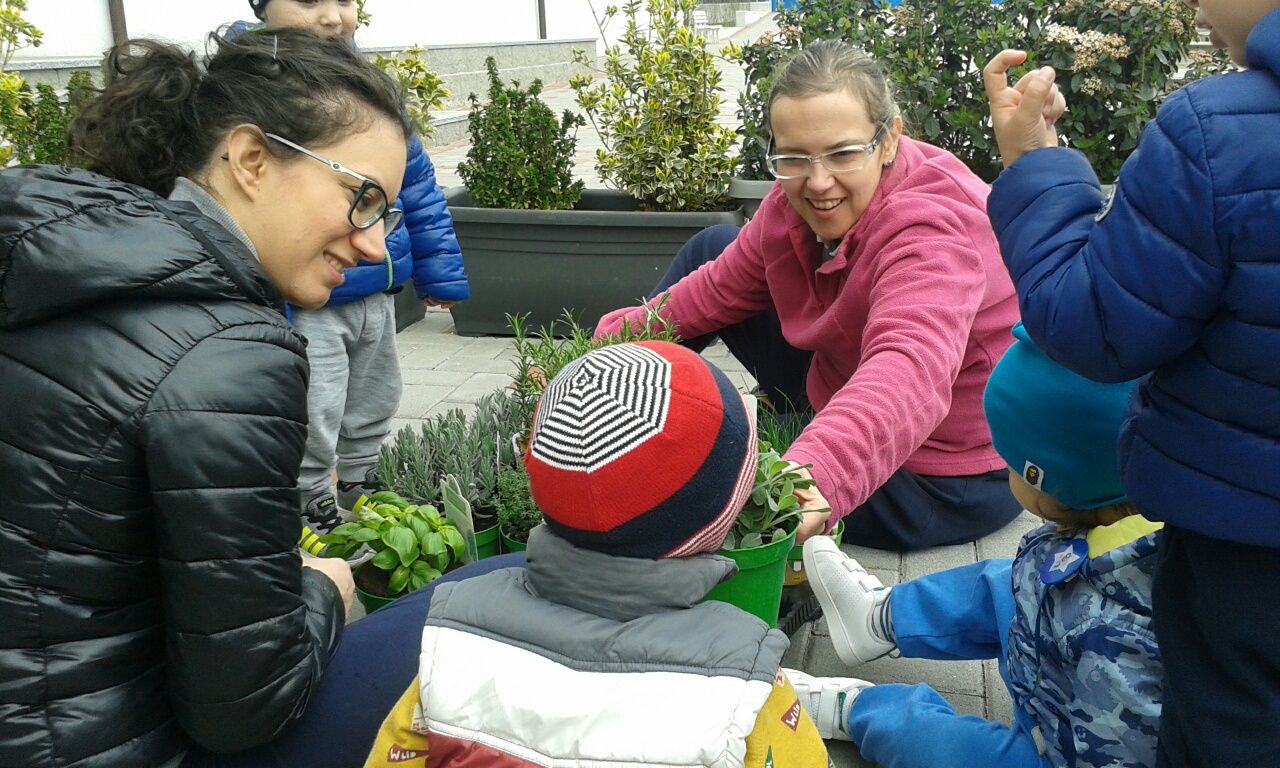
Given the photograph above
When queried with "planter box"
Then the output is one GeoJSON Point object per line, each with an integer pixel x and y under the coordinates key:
{"type": "Point", "coordinates": [409, 308]}
{"type": "Point", "coordinates": [750, 192]}
{"type": "Point", "coordinates": [603, 255]}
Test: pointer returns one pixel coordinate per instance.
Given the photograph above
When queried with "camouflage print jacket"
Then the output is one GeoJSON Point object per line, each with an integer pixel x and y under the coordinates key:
{"type": "Point", "coordinates": [1083, 664]}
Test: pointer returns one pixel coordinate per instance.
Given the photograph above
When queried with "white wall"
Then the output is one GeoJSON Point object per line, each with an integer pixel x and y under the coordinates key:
{"type": "Point", "coordinates": [402, 23]}
{"type": "Point", "coordinates": [577, 19]}
{"type": "Point", "coordinates": [72, 28]}
{"type": "Point", "coordinates": [82, 28]}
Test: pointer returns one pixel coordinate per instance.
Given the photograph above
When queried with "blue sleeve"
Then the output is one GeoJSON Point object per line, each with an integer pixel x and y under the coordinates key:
{"type": "Point", "coordinates": [1112, 292]}
{"type": "Point", "coordinates": [437, 260]}
{"type": "Point", "coordinates": [1115, 707]}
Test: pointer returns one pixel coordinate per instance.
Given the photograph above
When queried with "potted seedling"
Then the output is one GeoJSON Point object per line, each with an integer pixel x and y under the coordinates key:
{"type": "Point", "coordinates": [517, 512]}
{"type": "Point", "coordinates": [414, 545]}
{"type": "Point", "coordinates": [761, 538]}
{"type": "Point", "coordinates": [473, 449]}
{"type": "Point", "coordinates": [779, 430]}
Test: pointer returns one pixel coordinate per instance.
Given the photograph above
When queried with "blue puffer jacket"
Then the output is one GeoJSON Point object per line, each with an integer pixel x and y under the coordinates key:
{"type": "Point", "coordinates": [1177, 276]}
{"type": "Point", "coordinates": [423, 247]}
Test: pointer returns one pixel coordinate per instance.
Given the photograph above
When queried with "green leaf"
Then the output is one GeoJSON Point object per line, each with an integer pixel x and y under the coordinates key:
{"type": "Point", "coordinates": [419, 527]}
{"type": "Point", "coordinates": [433, 543]}
{"type": "Point", "coordinates": [339, 550]}
{"type": "Point", "coordinates": [751, 540]}
{"type": "Point", "coordinates": [364, 534]}
{"type": "Point", "coordinates": [399, 580]}
{"type": "Point", "coordinates": [402, 540]}
{"type": "Point", "coordinates": [454, 540]}
{"type": "Point", "coordinates": [386, 560]}
{"type": "Point", "coordinates": [430, 514]}
{"type": "Point", "coordinates": [346, 529]}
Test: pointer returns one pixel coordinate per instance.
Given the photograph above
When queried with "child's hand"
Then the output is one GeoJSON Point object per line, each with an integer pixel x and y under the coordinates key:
{"type": "Point", "coordinates": [1023, 116]}
{"type": "Point", "coordinates": [430, 302]}
{"type": "Point", "coordinates": [811, 523]}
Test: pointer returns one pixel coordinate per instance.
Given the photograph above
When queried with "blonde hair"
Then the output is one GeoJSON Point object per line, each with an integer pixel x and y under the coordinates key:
{"type": "Point", "coordinates": [835, 66]}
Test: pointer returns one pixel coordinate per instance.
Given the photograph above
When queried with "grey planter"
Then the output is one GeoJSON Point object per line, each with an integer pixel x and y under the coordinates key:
{"type": "Point", "coordinates": [750, 192]}
{"type": "Point", "coordinates": [602, 255]}
{"type": "Point", "coordinates": [409, 308]}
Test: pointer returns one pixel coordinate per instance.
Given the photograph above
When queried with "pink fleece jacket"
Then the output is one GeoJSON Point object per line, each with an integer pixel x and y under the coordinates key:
{"type": "Point", "coordinates": [905, 323]}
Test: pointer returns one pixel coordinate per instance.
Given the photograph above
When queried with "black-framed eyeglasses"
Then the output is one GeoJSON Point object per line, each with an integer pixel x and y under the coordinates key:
{"type": "Point", "coordinates": [843, 160]}
{"type": "Point", "coordinates": [370, 204]}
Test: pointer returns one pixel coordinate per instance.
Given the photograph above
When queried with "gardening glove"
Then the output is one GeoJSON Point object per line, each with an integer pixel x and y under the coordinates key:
{"type": "Point", "coordinates": [1023, 116]}
{"type": "Point", "coordinates": [812, 523]}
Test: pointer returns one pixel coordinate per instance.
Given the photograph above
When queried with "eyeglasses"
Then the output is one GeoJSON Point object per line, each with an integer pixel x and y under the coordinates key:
{"type": "Point", "coordinates": [370, 204]}
{"type": "Point", "coordinates": [843, 160]}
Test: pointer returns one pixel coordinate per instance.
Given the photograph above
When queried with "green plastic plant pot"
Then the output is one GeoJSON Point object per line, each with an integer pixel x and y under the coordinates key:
{"type": "Point", "coordinates": [370, 602]}
{"type": "Point", "coordinates": [795, 558]}
{"type": "Point", "coordinates": [511, 545]}
{"type": "Point", "coordinates": [757, 587]}
{"type": "Point", "coordinates": [487, 542]}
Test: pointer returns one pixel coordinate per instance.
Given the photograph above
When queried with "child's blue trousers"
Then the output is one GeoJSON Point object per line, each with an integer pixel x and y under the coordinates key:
{"type": "Point", "coordinates": [959, 614]}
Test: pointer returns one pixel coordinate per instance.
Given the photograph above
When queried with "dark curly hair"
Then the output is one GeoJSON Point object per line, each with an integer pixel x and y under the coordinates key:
{"type": "Point", "coordinates": [164, 112]}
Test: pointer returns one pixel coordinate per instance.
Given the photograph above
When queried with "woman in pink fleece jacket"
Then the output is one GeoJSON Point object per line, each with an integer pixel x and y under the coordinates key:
{"type": "Point", "coordinates": [870, 289]}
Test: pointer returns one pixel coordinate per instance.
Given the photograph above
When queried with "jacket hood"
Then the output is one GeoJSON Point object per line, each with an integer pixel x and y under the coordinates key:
{"type": "Point", "coordinates": [70, 239]}
{"type": "Point", "coordinates": [1262, 46]}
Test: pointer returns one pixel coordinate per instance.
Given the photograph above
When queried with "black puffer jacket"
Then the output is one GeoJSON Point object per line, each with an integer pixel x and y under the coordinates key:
{"type": "Point", "coordinates": [151, 428]}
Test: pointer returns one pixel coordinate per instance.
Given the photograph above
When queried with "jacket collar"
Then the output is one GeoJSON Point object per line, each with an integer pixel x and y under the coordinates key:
{"type": "Point", "coordinates": [619, 588]}
{"type": "Point", "coordinates": [187, 191]}
{"type": "Point", "coordinates": [1262, 47]}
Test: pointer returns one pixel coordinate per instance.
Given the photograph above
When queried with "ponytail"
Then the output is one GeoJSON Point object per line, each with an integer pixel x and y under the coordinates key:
{"type": "Point", "coordinates": [145, 120]}
{"type": "Point", "coordinates": [163, 113]}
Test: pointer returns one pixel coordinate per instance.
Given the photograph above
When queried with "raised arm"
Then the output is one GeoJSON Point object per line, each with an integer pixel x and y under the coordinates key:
{"type": "Point", "coordinates": [929, 285]}
{"type": "Point", "coordinates": [1113, 289]}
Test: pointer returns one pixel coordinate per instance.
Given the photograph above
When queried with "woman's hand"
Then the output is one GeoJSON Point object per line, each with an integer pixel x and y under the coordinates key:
{"type": "Point", "coordinates": [1023, 116]}
{"type": "Point", "coordinates": [339, 572]}
{"type": "Point", "coordinates": [612, 322]}
{"type": "Point", "coordinates": [811, 523]}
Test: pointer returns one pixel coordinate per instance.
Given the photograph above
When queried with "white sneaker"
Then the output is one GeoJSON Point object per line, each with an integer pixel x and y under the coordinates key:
{"type": "Point", "coordinates": [850, 597]}
{"type": "Point", "coordinates": [827, 700]}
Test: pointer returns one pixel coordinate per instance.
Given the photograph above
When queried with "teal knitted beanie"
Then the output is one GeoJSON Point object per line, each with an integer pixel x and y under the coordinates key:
{"type": "Point", "coordinates": [1058, 430]}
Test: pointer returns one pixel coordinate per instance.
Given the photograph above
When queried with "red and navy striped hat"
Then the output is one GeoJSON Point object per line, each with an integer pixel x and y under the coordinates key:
{"type": "Point", "coordinates": [642, 450]}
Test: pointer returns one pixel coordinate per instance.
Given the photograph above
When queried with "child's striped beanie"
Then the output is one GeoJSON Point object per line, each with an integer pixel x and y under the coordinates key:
{"type": "Point", "coordinates": [642, 450]}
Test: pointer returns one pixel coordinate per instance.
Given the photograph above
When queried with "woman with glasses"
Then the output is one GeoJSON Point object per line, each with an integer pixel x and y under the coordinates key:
{"type": "Point", "coordinates": [867, 295]}
{"type": "Point", "coordinates": [153, 602]}
{"type": "Point", "coordinates": [356, 382]}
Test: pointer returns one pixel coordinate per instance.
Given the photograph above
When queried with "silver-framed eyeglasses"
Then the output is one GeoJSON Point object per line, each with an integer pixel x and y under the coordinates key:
{"type": "Point", "coordinates": [370, 204]}
{"type": "Point", "coordinates": [843, 160]}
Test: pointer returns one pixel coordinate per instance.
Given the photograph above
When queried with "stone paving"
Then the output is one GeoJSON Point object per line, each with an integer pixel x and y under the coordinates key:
{"type": "Point", "coordinates": [443, 371]}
